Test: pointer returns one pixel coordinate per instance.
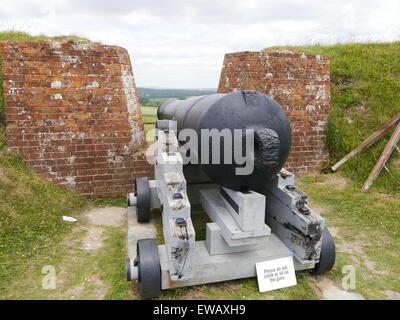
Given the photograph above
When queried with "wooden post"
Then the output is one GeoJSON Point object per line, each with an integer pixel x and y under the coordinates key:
{"type": "Point", "coordinates": [383, 158]}
{"type": "Point", "coordinates": [370, 140]}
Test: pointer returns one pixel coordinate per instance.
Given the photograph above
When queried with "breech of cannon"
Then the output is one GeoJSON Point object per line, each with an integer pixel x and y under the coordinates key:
{"type": "Point", "coordinates": [254, 115]}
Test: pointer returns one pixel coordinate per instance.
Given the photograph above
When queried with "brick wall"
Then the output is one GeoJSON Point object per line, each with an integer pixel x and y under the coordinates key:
{"type": "Point", "coordinates": [300, 84]}
{"type": "Point", "coordinates": [73, 113]}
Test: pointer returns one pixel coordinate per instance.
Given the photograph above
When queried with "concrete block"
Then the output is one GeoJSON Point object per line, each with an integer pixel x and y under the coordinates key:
{"type": "Point", "coordinates": [231, 232]}
{"type": "Point", "coordinates": [248, 209]}
{"type": "Point", "coordinates": [216, 244]}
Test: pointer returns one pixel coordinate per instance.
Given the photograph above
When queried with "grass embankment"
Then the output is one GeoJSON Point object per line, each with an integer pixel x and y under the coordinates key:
{"type": "Point", "coordinates": [31, 211]}
{"type": "Point", "coordinates": [33, 235]}
{"type": "Point", "coordinates": [365, 94]}
{"type": "Point", "coordinates": [25, 37]}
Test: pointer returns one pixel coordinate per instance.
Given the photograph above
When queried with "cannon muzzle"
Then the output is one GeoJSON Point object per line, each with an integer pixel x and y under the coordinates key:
{"type": "Point", "coordinates": [238, 110]}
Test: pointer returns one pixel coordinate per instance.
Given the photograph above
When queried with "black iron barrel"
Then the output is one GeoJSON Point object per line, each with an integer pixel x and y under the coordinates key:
{"type": "Point", "coordinates": [238, 110]}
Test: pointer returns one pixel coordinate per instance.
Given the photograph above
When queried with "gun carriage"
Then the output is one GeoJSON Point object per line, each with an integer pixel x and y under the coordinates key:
{"type": "Point", "coordinates": [257, 215]}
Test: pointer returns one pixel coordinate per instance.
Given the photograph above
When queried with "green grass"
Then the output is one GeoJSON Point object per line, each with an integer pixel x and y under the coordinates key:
{"type": "Point", "coordinates": [368, 234]}
{"type": "Point", "coordinates": [149, 114]}
{"type": "Point", "coordinates": [80, 273]}
{"type": "Point", "coordinates": [25, 37]}
{"type": "Point", "coordinates": [156, 101]}
{"type": "Point", "coordinates": [148, 110]}
{"type": "Point", "coordinates": [244, 289]}
{"type": "Point", "coordinates": [32, 235]}
{"type": "Point", "coordinates": [365, 94]}
{"type": "Point", "coordinates": [199, 219]}
{"type": "Point", "coordinates": [21, 36]}
{"type": "Point", "coordinates": [152, 96]}
{"type": "Point", "coordinates": [109, 202]}
{"type": "Point", "coordinates": [111, 264]}
{"type": "Point", "coordinates": [3, 139]}
{"type": "Point", "coordinates": [31, 211]}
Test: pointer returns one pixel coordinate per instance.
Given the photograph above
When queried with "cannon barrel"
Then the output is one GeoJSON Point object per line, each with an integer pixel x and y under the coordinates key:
{"type": "Point", "coordinates": [236, 110]}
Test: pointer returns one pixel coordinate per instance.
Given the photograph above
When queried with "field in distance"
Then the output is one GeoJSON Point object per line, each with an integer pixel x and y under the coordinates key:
{"type": "Point", "coordinates": [150, 99]}
{"type": "Point", "coordinates": [153, 96]}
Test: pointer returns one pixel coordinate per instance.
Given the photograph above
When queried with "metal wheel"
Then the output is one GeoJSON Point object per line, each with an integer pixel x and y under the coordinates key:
{"type": "Point", "coordinates": [149, 269]}
{"type": "Point", "coordinates": [328, 253]}
{"type": "Point", "coordinates": [142, 190]}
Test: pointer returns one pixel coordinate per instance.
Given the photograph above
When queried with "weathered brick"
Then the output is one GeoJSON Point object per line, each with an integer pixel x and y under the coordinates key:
{"type": "Point", "coordinates": [56, 97]}
{"type": "Point", "coordinates": [300, 84]}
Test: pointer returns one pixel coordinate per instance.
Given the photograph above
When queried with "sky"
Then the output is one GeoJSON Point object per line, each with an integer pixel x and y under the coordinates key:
{"type": "Point", "coordinates": [181, 44]}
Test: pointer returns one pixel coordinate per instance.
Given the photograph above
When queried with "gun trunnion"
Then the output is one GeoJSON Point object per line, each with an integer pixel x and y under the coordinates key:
{"type": "Point", "coordinates": [255, 217]}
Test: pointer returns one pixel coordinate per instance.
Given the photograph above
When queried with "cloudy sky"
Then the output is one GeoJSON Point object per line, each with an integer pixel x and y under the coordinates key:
{"type": "Point", "coordinates": [181, 44]}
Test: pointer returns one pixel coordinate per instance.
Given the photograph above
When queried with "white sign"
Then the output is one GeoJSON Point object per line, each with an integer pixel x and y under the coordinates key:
{"type": "Point", "coordinates": [275, 274]}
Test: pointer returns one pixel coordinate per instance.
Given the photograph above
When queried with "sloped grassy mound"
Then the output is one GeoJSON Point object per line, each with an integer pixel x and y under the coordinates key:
{"type": "Point", "coordinates": [365, 94]}
{"type": "Point", "coordinates": [31, 211]}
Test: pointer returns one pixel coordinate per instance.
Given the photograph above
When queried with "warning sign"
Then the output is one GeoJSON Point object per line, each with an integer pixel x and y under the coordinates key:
{"type": "Point", "coordinates": [275, 274]}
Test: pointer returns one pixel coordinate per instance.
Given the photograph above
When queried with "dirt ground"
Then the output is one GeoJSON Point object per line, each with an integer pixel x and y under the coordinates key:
{"type": "Point", "coordinates": [87, 239]}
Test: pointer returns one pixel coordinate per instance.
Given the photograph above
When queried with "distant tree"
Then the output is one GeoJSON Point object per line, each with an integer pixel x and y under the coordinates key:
{"type": "Point", "coordinates": [144, 99]}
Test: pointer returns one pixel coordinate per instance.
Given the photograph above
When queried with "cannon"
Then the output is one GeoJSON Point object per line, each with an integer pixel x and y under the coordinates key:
{"type": "Point", "coordinates": [238, 110]}
{"type": "Point", "coordinates": [257, 213]}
